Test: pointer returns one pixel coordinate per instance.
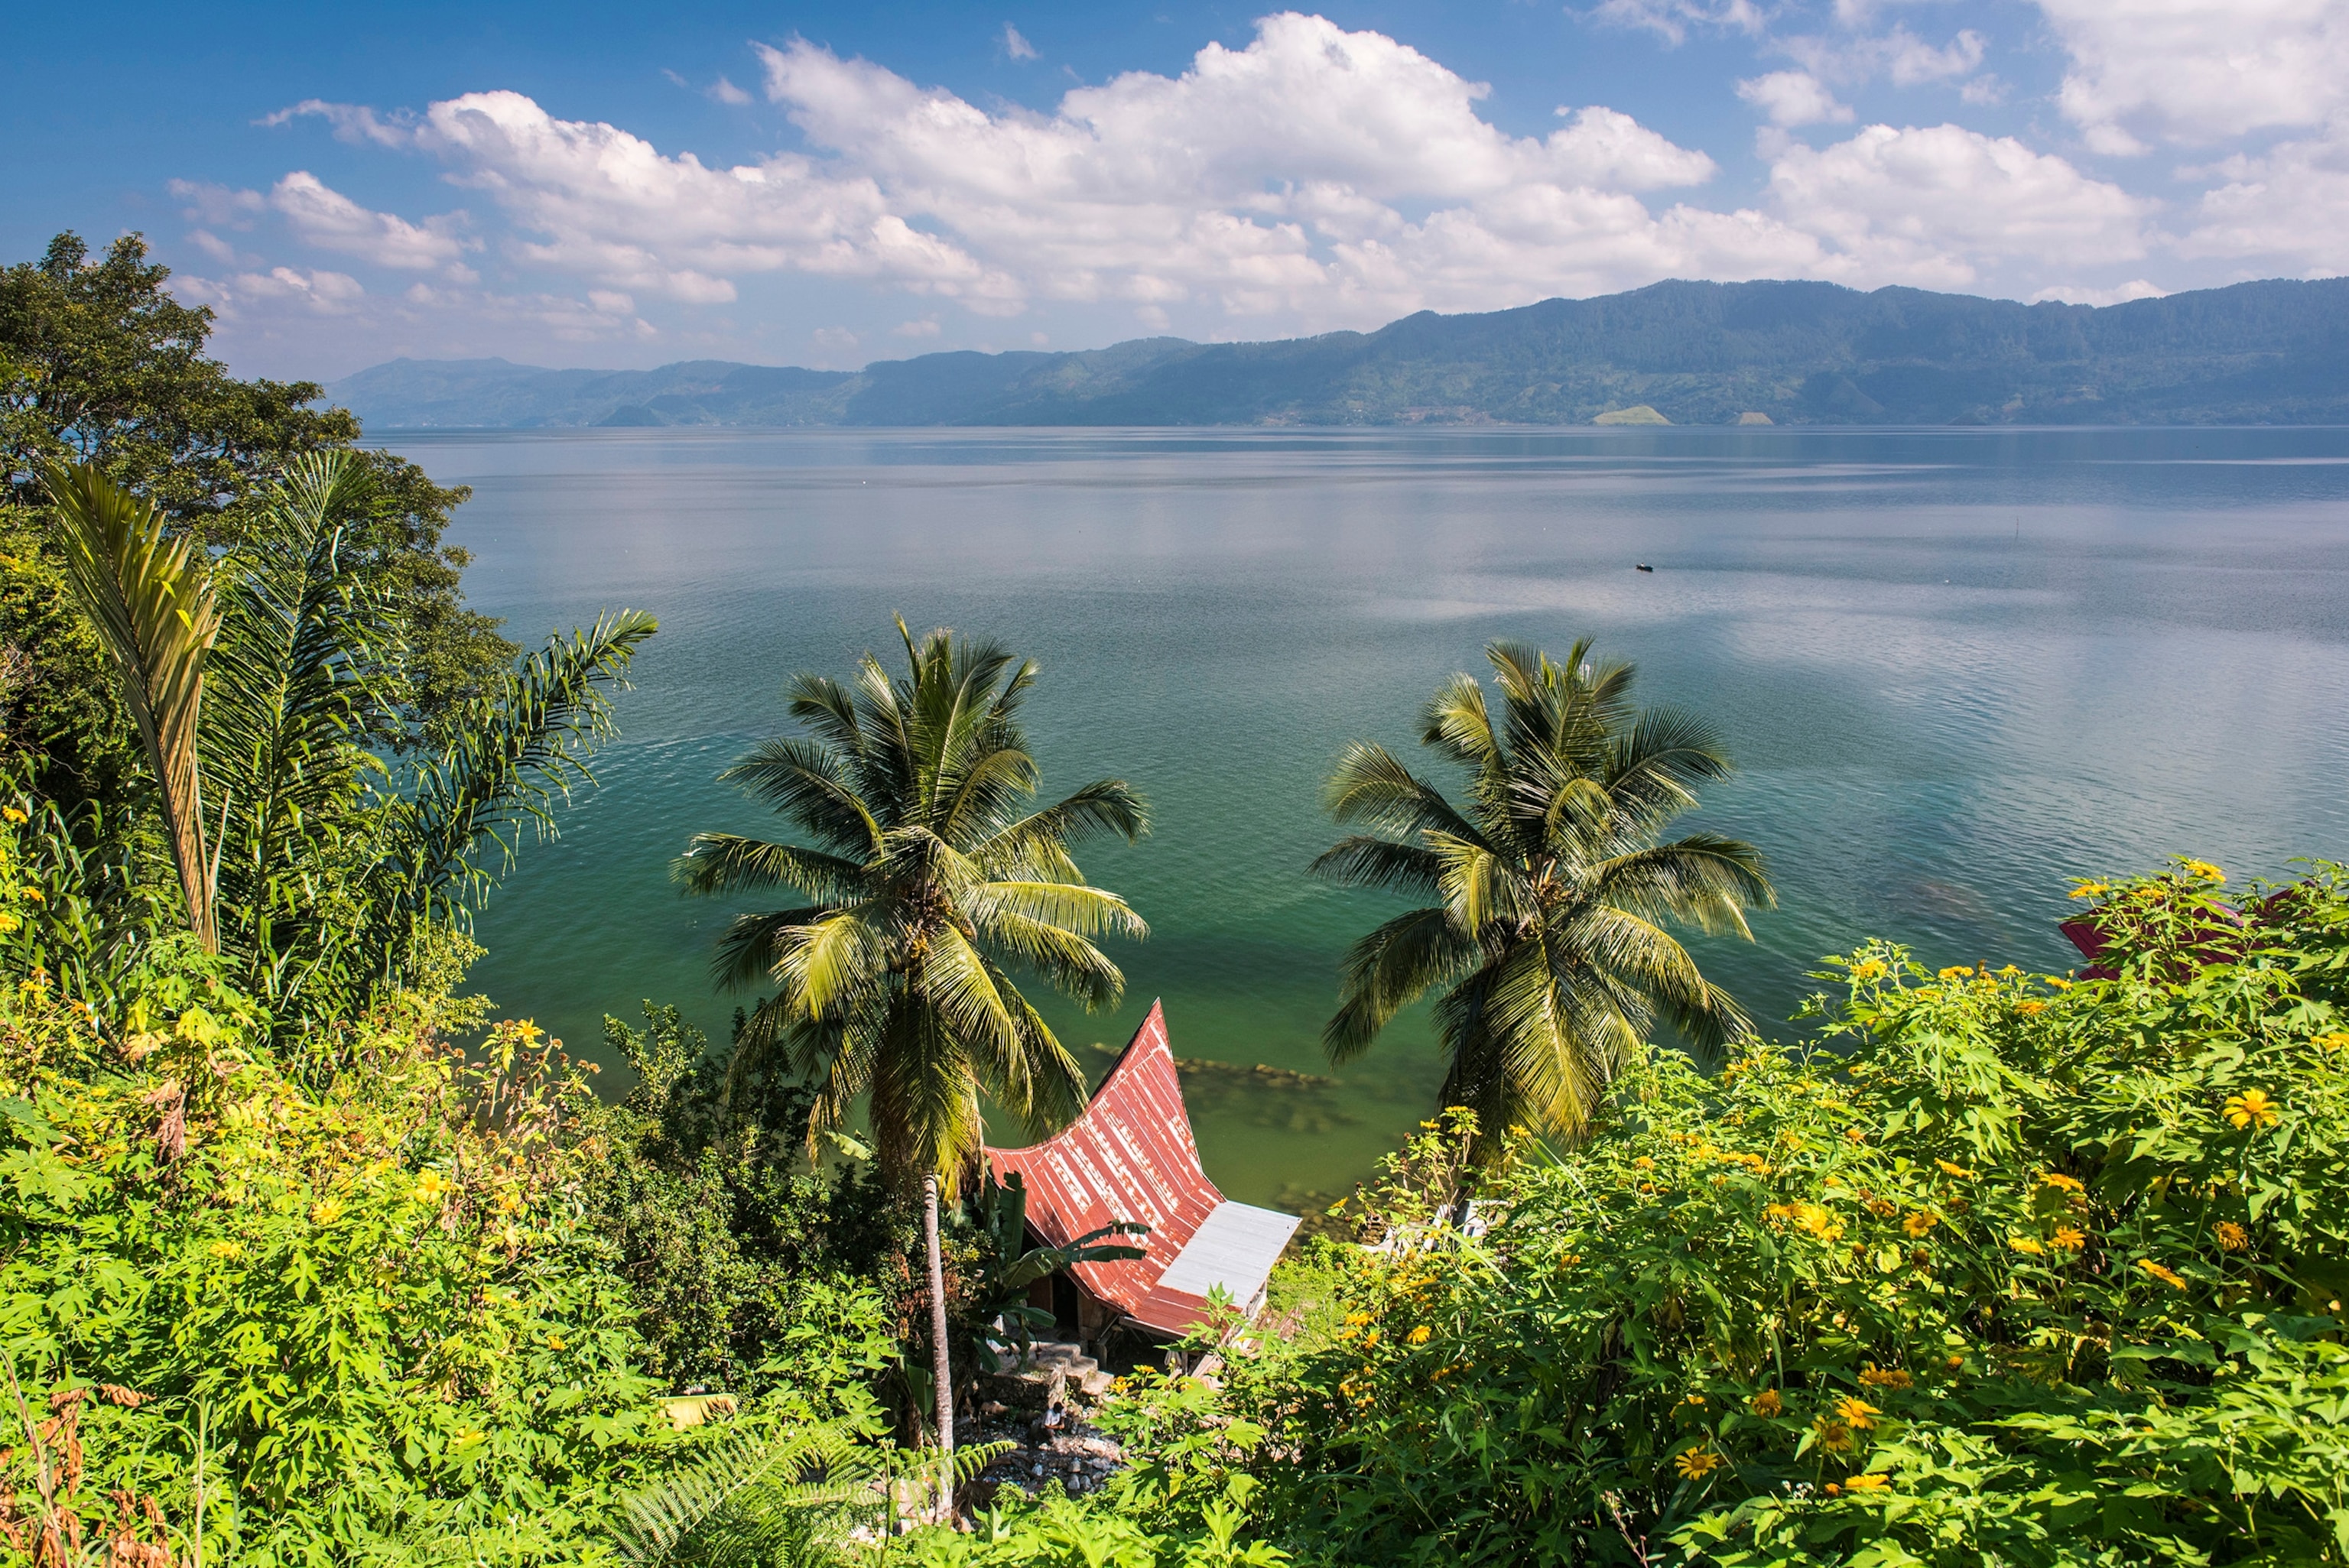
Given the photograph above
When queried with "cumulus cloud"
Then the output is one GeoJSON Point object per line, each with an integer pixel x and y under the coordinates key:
{"type": "Point", "coordinates": [724, 91]}
{"type": "Point", "coordinates": [354, 123]}
{"type": "Point", "coordinates": [331, 220]}
{"type": "Point", "coordinates": [1932, 206]}
{"type": "Point", "coordinates": [2120, 294]}
{"type": "Point", "coordinates": [315, 292]}
{"type": "Point", "coordinates": [217, 206]}
{"type": "Point", "coordinates": [2287, 207]}
{"type": "Point", "coordinates": [1793, 97]}
{"type": "Point", "coordinates": [1673, 20]}
{"type": "Point", "coordinates": [2197, 72]}
{"type": "Point", "coordinates": [1015, 46]}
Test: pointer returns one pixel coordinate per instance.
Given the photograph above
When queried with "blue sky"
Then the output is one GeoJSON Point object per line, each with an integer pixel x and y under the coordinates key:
{"type": "Point", "coordinates": [797, 184]}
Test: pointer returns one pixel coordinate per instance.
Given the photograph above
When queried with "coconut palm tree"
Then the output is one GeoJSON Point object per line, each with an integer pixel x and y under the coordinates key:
{"type": "Point", "coordinates": [1550, 887]}
{"type": "Point", "coordinates": [924, 881]}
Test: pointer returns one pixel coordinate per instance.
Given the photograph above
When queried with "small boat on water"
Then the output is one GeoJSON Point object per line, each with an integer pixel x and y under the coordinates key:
{"type": "Point", "coordinates": [1643, 566]}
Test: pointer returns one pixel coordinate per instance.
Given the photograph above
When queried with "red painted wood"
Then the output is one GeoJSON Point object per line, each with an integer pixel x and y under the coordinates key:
{"type": "Point", "coordinates": [1131, 1156]}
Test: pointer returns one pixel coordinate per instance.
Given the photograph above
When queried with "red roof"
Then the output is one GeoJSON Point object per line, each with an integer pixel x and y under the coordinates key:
{"type": "Point", "coordinates": [1131, 1156]}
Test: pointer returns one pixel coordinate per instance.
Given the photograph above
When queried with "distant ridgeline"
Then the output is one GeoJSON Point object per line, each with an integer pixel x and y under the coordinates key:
{"type": "Point", "coordinates": [1693, 352]}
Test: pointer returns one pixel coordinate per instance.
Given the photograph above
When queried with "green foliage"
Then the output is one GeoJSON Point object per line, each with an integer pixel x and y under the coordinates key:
{"type": "Point", "coordinates": [1998, 1271]}
{"type": "Point", "coordinates": [755, 1272]}
{"type": "Point", "coordinates": [1550, 887]}
{"type": "Point", "coordinates": [341, 1319]}
{"type": "Point", "coordinates": [99, 363]}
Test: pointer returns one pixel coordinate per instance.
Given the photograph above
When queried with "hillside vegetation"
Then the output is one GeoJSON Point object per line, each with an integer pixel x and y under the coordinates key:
{"type": "Point", "coordinates": [1698, 353]}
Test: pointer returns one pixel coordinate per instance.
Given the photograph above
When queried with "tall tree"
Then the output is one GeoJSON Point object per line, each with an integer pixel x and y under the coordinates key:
{"type": "Point", "coordinates": [1549, 885]}
{"type": "Point", "coordinates": [925, 881]}
{"type": "Point", "coordinates": [252, 678]}
{"type": "Point", "coordinates": [100, 365]}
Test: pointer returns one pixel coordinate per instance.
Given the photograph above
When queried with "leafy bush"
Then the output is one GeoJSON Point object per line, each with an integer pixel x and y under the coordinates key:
{"type": "Point", "coordinates": [1996, 1270]}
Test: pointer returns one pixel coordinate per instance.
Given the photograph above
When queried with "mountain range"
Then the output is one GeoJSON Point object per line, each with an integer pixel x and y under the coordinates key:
{"type": "Point", "coordinates": [1695, 353]}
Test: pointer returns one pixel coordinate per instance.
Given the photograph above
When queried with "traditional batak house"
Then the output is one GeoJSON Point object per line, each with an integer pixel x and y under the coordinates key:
{"type": "Point", "coordinates": [1131, 1156]}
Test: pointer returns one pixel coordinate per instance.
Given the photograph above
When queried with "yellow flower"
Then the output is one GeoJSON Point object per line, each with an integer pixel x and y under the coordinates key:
{"type": "Point", "coordinates": [2026, 1244]}
{"type": "Point", "coordinates": [431, 1187]}
{"type": "Point", "coordinates": [2332, 1041]}
{"type": "Point", "coordinates": [1833, 1434]}
{"type": "Point", "coordinates": [2165, 1275]}
{"type": "Point", "coordinates": [2069, 1238]}
{"type": "Point", "coordinates": [1819, 1221]}
{"type": "Point", "coordinates": [1856, 1413]}
{"type": "Point", "coordinates": [8, 922]}
{"type": "Point", "coordinates": [2063, 1184]}
{"type": "Point", "coordinates": [1956, 972]}
{"type": "Point", "coordinates": [34, 895]}
{"type": "Point", "coordinates": [2090, 889]}
{"type": "Point", "coordinates": [1867, 1483]}
{"type": "Point", "coordinates": [1697, 1399]}
{"type": "Point", "coordinates": [554, 1342]}
{"type": "Point", "coordinates": [2030, 1007]}
{"type": "Point", "coordinates": [225, 1249]}
{"type": "Point", "coordinates": [2058, 983]}
{"type": "Point", "coordinates": [2232, 1237]}
{"type": "Point", "coordinates": [2252, 1107]}
{"type": "Point", "coordinates": [1948, 1169]}
{"type": "Point", "coordinates": [1767, 1403]}
{"type": "Point", "coordinates": [1886, 1378]}
{"type": "Point", "coordinates": [1643, 1164]}
{"type": "Point", "coordinates": [1418, 1336]}
{"type": "Point", "coordinates": [2203, 870]}
{"type": "Point", "coordinates": [1867, 969]}
{"type": "Point", "coordinates": [1698, 1463]}
{"type": "Point", "coordinates": [325, 1212]}
{"type": "Point", "coordinates": [1356, 1320]}
{"type": "Point", "coordinates": [1835, 1489]}
{"type": "Point", "coordinates": [1918, 1224]}
{"type": "Point", "coordinates": [14, 814]}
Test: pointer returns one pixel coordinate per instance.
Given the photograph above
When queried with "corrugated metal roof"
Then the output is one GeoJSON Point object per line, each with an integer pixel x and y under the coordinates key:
{"type": "Point", "coordinates": [1234, 1249]}
{"type": "Point", "coordinates": [1131, 1156]}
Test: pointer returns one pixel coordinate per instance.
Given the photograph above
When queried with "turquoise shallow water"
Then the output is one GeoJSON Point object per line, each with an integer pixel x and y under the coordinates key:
{"type": "Point", "coordinates": [1956, 667]}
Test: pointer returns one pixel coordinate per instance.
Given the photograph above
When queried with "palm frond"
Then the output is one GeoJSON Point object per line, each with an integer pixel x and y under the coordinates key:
{"type": "Point", "coordinates": [1370, 786]}
{"type": "Point", "coordinates": [150, 597]}
{"type": "Point", "coordinates": [1389, 969]}
{"type": "Point", "coordinates": [733, 863]}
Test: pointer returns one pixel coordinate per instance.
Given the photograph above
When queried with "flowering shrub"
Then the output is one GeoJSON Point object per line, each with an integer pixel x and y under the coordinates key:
{"type": "Point", "coordinates": [1997, 1269]}
{"type": "Point", "coordinates": [334, 1320]}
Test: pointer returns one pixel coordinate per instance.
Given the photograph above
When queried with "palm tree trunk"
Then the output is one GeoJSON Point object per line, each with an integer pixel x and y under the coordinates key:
{"type": "Point", "coordinates": [941, 1365]}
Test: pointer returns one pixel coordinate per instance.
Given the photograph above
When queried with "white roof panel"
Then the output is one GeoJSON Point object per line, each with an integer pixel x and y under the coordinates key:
{"type": "Point", "coordinates": [1236, 1247]}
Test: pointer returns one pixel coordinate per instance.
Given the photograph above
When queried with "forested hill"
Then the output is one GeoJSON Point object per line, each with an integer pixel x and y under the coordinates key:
{"type": "Point", "coordinates": [1698, 353]}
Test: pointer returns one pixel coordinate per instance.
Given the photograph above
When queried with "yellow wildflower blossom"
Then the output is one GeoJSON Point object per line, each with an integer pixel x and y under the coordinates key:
{"type": "Point", "coordinates": [2026, 1244]}
{"type": "Point", "coordinates": [1698, 1463]}
{"type": "Point", "coordinates": [325, 1212]}
{"type": "Point", "coordinates": [2204, 870]}
{"type": "Point", "coordinates": [1832, 1435]}
{"type": "Point", "coordinates": [1356, 1320]}
{"type": "Point", "coordinates": [1854, 1135]}
{"type": "Point", "coordinates": [1856, 1413]}
{"type": "Point", "coordinates": [1767, 1403]}
{"type": "Point", "coordinates": [2165, 1275]}
{"type": "Point", "coordinates": [2063, 1184]}
{"type": "Point", "coordinates": [1418, 1336]}
{"type": "Point", "coordinates": [2069, 1238]}
{"type": "Point", "coordinates": [14, 814]}
{"type": "Point", "coordinates": [2030, 1007]}
{"type": "Point", "coordinates": [1643, 1164]}
{"type": "Point", "coordinates": [1867, 969]}
{"type": "Point", "coordinates": [2333, 1041]}
{"type": "Point", "coordinates": [1867, 1483]}
{"type": "Point", "coordinates": [1956, 972]}
{"type": "Point", "coordinates": [2090, 889]}
{"type": "Point", "coordinates": [1950, 1168]}
{"type": "Point", "coordinates": [554, 1342]}
{"type": "Point", "coordinates": [431, 1187]}
{"type": "Point", "coordinates": [226, 1249]}
{"type": "Point", "coordinates": [8, 922]}
{"type": "Point", "coordinates": [2232, 1237]}
{"type": "Point", "coordinates": [2252, 1107]}
{"type": "Point", "coordinates": [1885, 1378]}
{"type": "Point", "coordinates": [1918, 1224]}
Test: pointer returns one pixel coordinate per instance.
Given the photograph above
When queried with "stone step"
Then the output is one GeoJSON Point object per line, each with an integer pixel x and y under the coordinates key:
{"type": "Point", "coordinates": [1070, 1361]}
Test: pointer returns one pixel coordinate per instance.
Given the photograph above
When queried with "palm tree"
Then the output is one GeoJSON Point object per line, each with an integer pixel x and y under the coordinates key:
{"type": "Point", "coordinates": [1550, 887]}
{"type": "Point", "coordinates": [253, 679]}
{"type": "Point", "coordinates": [926, 882]}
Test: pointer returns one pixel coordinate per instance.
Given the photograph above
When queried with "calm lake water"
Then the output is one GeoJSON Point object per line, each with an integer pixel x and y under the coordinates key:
{"type": "Point", "coordinates": [1956, 667]}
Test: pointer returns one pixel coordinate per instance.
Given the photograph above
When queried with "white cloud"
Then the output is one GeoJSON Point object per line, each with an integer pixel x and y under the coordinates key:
{"type": "Point", "coordinates": [217, 206]}
{"type": "Point", "coordinates": [1017, 47]}
{"type": "Point", "coordinates": [1934, 206]}
{"type": "Point", "coordinates": [215, 247]}
{"type": "Point", "coordinates": [1673, 20]}
{"type": "Point", "coordinates": [2120, 294]}
{"type": "Point", "coordinates": [2198, 71]}
{"type": "Point", "coordinates": [2288, 206]}
{"type": "Point", "coordinates": [331, 220]}
{"type": "Point", "coordinates": [354, 123]}
{"type": "Point", "coordinates": [1793, 97]}
{"type": "Point", "coordinates": [318, 293]}
{"type": "Point", "coordinates": [926, 327]}
{"type": "Point", "coordinates": [1899, 54]}
{"type": "Point", "coordinates": [724, 91]}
